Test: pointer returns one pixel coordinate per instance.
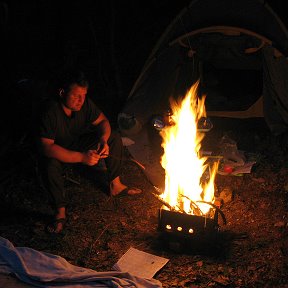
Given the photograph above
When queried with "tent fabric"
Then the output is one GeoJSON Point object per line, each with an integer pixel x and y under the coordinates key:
{"type": "Point", "coordinates": [253, 15]}
{"type": "Point", "coordinates": [175, 71]}
{"type": "Point", "coordinates": [42, 269]}
{"type": "Point", "coordinates": [153, 96]}
{"type": "Point", "coordinates": [215, 41]}
{"type": "Point", "coordinates": [275, 91]}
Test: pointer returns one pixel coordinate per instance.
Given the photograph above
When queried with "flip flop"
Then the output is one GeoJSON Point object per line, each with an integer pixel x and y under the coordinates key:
{"type": "Point", "coordinates": [127, 192]}
{"type": "Point", "coordinates": [51, 228]}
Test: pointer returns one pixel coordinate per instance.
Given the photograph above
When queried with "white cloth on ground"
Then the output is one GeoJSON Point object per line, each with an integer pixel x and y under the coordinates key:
{"type": "Point", "coordinates": [47, 270]}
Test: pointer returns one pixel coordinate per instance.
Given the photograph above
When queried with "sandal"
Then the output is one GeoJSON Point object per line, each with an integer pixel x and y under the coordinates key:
{"type": "Point", "coordinates": [57, 226]}
{"type": "Point", "coordinates": [128, 191]}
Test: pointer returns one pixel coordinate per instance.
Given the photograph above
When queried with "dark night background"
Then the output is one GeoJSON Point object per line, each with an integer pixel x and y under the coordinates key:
{"type": "Point", "coordinates": [110, 40]}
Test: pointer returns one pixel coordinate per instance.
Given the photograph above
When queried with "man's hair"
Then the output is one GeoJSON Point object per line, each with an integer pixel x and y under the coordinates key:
{"type": "Point", "coordinates": [70, 77]}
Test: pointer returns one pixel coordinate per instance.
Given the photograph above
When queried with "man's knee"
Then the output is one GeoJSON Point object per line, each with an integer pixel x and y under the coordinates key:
{"type": "Point", "coordinates": [115, 138]}
{"type": "Point", "coordinates": [51, 166]}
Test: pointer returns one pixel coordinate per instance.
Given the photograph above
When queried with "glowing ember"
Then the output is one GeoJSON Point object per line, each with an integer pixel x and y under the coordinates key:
{"type": "Point", "coordinates": [184, 167]}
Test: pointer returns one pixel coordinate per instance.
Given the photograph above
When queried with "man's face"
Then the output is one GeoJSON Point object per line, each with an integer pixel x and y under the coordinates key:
{"type": "Point", "coordinates": [75, 97]}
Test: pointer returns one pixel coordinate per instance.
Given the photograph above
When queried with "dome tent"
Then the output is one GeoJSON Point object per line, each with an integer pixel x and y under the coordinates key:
{"type": "Point", "coordinates": [237, 49]}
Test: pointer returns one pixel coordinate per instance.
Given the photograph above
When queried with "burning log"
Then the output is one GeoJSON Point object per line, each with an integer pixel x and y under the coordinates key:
{"type": "Point", "coordinates": [194, 207]}
{"type": "Point", "coordinates": [218, 210]}
{"type": "Point", "coordinates": [167, 204]}
{"type": "Point", "coordinates": [183, 224]}
{"type": "Point", "coordinates": [179, 223]}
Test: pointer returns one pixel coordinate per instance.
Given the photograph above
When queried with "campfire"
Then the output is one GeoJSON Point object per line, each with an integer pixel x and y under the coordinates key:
{"type": "Point", "coordinates": [188, 198]}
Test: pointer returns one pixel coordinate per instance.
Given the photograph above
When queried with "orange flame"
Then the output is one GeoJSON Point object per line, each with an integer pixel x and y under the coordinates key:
{"type": "Point", "coordinates": [184, 167]}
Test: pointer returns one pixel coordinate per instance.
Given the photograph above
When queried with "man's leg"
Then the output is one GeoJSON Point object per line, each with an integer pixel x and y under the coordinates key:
{"type": "Point", "coordinates": [52, 174]}
{"type": "Point", "coordinates": [113, 163]}
{"type": "Point", "coordinates": [116, 152]}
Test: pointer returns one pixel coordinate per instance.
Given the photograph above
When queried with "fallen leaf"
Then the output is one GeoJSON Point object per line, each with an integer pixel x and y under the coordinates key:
{"type": "Point", "coordinates": [220, 279]}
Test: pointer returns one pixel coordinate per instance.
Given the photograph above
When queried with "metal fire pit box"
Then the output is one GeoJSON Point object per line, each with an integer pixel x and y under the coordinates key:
{"type": "Point", "coordinates": [188, 226]}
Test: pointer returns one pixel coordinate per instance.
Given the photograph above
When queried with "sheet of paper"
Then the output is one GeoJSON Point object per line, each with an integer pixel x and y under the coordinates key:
{"type": "Point", "coordinates": [237, 170]}
{"type": "Point", "coordinates": [246, 168]}
{"type": "Point", "coordinates": [139, 263]}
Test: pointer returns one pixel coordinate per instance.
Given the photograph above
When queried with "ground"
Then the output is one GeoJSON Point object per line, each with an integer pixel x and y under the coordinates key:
{"type": "Point", "coordinates": [251, 250]}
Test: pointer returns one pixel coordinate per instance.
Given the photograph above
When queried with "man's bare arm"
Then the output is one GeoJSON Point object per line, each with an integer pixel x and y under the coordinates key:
{"type": "Point", "coordinates": [52, 150]}
{"type": "Point", "coordinates": [102, 123]}
{"type": "Point", "coordinates": [104, 128]}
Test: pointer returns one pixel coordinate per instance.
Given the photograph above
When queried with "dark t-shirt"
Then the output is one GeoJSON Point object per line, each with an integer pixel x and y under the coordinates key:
{"type": "Point", "coordinates": [64, 130]}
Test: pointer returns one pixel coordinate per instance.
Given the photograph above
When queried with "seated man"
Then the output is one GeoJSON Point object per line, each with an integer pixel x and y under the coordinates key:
{"type": "Point", "coordinates": [73, 130]}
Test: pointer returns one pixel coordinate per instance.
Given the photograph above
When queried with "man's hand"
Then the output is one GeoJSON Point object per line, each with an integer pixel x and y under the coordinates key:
{"type": "Point", "coordinates": [91, 157]}
{"type": "Point", "coordinates": [103, 149]}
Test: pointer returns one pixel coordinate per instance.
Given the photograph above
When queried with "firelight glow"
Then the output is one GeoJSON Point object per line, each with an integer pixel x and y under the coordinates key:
{"type": "Point", "coordinates": [182, 162]}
